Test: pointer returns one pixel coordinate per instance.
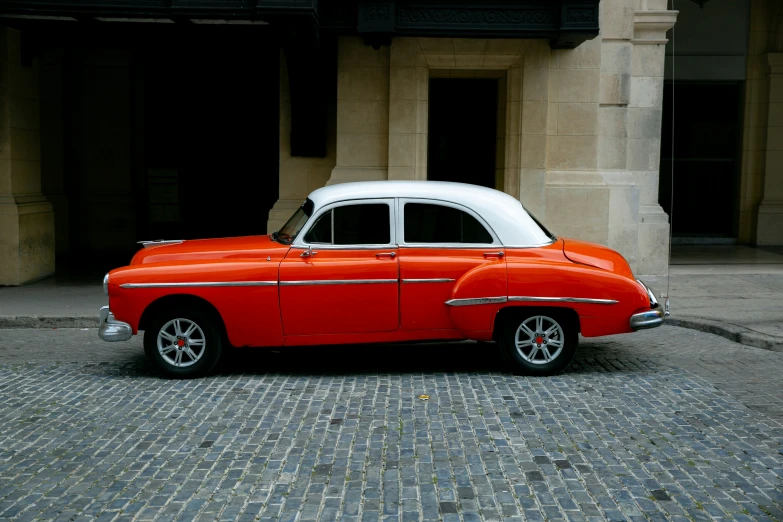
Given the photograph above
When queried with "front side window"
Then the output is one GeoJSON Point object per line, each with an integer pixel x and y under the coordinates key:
{"type": "Point", "coordinates": [364, 224]}
{"type": "Point", "coordinates": [428, 223]}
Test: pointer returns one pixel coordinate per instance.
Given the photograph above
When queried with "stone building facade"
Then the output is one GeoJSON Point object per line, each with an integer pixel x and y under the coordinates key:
{"type": "Point", "coordinates": [578, 130]}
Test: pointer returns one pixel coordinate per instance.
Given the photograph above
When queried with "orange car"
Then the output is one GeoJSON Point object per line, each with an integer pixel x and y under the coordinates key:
{"type": "Point", "coordinates": [372, 262]}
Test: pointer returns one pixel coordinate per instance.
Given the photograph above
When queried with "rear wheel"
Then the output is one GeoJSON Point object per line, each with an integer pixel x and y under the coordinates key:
{"type": "Point", "coordinates": [539, 343]}
{"type": "Point", "coordinates": [184, 343]}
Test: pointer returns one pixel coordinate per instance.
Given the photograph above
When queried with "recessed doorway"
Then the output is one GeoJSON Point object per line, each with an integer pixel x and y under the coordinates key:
{"type": "Point", "coordinates": [463, 137]}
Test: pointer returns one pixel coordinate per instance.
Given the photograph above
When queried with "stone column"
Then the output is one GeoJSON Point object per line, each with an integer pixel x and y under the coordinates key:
{"type": "Point", "coordinates": [644, 131]}
{"type": "Point", "coordinates": [770, 217]}
{"type": "Point", "coordinates": [26, 217]}
{"type": "Point", "coordinates": [362, 112]}
{"type": "Point", "coordinates": [298, 175]}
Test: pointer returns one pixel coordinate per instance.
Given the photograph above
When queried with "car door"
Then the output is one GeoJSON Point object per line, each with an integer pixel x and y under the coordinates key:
{"type": "Point", "coordinates": [342, 276]}
{"type": "Point", "coordinates": [440, 242]}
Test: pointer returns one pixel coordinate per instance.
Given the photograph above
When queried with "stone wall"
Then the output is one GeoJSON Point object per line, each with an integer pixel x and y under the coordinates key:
{"type": "Point", "coordinates": [581, 128]}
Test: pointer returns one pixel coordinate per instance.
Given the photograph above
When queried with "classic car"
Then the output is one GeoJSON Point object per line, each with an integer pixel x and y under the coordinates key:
{"type": "Point", "coordinates": [379, 262]}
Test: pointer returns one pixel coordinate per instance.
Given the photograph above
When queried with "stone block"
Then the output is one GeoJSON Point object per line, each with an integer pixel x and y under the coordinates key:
{"type": "Point", "coordinates": [25, 176]}
{"type": "Point", "coordinates": [577, 119]}
{"type": "Point", "coordinates": [615, 89]}
{"type": "Point", "coordinates": [402, 173]}
{"type": "Point", "coordinates": [402, 82]}
{"type": "Point", "coordinates": [532, 191]}
{"type": "Point", "coordinates": [363, 116]}
{"type": "Point", "coordinates": [402, 150]}
{"type": "Point", "coordinates": [774, 138]}
{"type": "Point", "coordinates": [586, 56]}
{"type": "Point", "coordinates": [363, 150]}
{"type": "Point", "coordinates": [574, 85]}
{"type": "Point", "coordinates": [294, 182]}
{"type": "Point", "coordinates": [422, 117]}
{"type": "Point", "coordinates": [648, 60]}
{"type": "Point", "coordinates": [470, 45]}
{"type": "Point", "coordinates": [402, 116]}
{"type": "Point", "coordinates": [534, 117]}
{"type": "Point", "coordinates": [441, 60]}
{"type": "Point", "coordinates": [644, 122]}
{"type": "Point", "coordinates": [498, 61]}
{"type": "Point", "coordinates": [616, 19]}
{"type": "Point", "coordinates": [646, 92]}
{"type": "Point", "coordinates": [571, 152]}
{"type": "Point", "coordinates": [613, 121]}
{"type": "Point", "coordinates": [616, 56]}
{"type": "Point", "coordinates": [579, 211]}
{"type": "Point", "coordinates": [403, 51]}
{"type": "Point", "coordinates": [535, 84]}
{"type": "Point", "coordinates": [612, 152]}
{"type": "Point", "coordinates": [362, 83]}
{"type": "Point", "coordinates": [532, 153]}
{"type": "Point", "coordinates": [503, 46]}
{"type": "Point", "coordinates": [551, 119]}
{"type": "Point", "coordinates": [643, 154]}
{"type": "Point", "coordinates": [469, 61]}
{"type": "Point", "coordinates": [351, 51]}
{"type": "Point", "coordinates": [422, 83]}
{"type": "Point", "coordinates": [653, 253]}
{"type": "Point", "coordinates": [437, 45]}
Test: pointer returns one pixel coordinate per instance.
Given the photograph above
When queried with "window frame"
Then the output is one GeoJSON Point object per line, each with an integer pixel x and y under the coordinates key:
{"type": "Point", "coordinates": [427, 201]}
{"type": "Point", "coordinates": [299, 242]}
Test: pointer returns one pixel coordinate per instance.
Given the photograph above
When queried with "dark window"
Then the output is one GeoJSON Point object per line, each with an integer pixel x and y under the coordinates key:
{"type": "Point", "coordinates": [362, 225]}
{"type": "Point", "coordinates": [322, 230]}
{"type": "Point", "coordinates": [425, 223]}
{"type": "Point", "coordinates": [353, 225]}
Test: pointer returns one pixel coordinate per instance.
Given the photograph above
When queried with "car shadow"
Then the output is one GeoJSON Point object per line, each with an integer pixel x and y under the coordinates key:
{"type": "Point", "coordinates": [408, 358]}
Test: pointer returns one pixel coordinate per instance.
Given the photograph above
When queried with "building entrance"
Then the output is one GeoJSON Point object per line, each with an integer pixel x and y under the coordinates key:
{"type": "Point", "coordinates": [462, 139]}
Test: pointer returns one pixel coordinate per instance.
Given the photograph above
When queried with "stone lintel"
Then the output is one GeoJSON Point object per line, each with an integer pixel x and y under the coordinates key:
{"type": "Point", "coordinates": [649, 27]}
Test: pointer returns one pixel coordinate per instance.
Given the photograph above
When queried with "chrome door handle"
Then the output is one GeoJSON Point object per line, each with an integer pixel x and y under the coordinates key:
{"type": "Point", "coordinates": [494, 254]}
{"type": "Point", "coordinates": [308, 253]}
{"type": "Point", "coordinates": [386, 254]}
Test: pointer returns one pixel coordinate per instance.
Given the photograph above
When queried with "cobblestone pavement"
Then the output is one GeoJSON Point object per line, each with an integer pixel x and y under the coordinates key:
{"type": "Point", "coordinates": [664, 424]}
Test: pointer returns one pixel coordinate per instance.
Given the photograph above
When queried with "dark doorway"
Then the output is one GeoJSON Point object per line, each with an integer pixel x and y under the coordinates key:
{"type": "Point", "coordinates": [706, 158]}
{"type": "Point", "coordinates": [462, 130]}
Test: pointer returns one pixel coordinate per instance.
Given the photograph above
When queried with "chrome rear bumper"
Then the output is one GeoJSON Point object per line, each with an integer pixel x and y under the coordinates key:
{"type": "Point", "coordinates": [112, 330]}
{"type": "Point", "coordinates": [648, 319]}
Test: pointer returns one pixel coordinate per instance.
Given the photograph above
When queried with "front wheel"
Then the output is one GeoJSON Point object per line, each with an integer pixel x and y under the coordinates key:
{"type": "Point", "coordinates": [539, 343]}
{"type": "Point", "coordinates": [183, 343]}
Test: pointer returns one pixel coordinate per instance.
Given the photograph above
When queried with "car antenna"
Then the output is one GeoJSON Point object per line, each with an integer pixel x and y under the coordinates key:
{"type": "Point", "coordinates": [665, 296]}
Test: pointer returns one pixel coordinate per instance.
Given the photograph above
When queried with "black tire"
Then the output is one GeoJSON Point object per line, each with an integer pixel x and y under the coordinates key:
{"type": "Point", "coordinates": [208, 329]}
{"type": "Point", "coordinates": [520, 360]}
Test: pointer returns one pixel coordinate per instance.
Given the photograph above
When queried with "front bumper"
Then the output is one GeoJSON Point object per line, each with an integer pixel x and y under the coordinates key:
{"type": "Point", "coordinates": [112, 330]}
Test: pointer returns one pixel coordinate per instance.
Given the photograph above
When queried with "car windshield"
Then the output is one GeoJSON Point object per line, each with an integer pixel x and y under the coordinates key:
{"type": "Point", "coordinates": [293, 226]}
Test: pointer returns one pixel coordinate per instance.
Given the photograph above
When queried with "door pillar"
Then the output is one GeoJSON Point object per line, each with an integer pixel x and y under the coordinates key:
{"type": "Point", "coordinates": [27, 247]}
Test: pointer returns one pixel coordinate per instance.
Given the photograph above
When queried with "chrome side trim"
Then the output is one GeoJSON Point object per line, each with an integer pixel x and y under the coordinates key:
{"type": "Point", "coordinates": [338, 282]}
{"type": "Point", "coordinates": [475, 301]}
{"type": "Point", "coordinates": [650, 294]}
{"type": "Point", "coordinates": [535, 299]}
{"type": "Point", "coordinates": [199, 284]}
{"type": "Point", "coordinates": [439, 280]}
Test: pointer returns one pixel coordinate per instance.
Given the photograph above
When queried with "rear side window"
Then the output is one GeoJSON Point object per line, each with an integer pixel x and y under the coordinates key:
{"type": "Point", "coordinates": [365, 224]}
{"type": "Point", "coordinates": [428, 223]}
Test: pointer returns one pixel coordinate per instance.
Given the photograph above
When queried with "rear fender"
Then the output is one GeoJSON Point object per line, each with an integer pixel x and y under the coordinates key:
{"type": "Point", "coordinates": [481, 282]}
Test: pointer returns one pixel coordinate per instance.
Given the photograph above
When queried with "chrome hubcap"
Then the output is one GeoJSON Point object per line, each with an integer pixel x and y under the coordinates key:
{"type": "Point", "coordinates": [539, 339]}
{"type": "Point", "coordinates": [181, 342]}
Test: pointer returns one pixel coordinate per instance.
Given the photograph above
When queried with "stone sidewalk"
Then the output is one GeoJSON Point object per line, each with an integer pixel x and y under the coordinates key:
{"type": "Point", "coordinates": [734, 292]}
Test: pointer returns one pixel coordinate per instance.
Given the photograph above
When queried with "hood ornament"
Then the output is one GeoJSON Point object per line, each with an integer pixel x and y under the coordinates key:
{"type": "Point", "coordinates": [158, 242]}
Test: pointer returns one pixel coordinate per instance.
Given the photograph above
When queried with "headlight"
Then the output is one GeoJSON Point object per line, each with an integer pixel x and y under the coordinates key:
{"type": "Point", "coordinates": [106, 284]}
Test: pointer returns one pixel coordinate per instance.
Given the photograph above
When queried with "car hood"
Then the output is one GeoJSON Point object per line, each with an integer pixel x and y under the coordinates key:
{"type": "Point", "coordinates": [596, 255]}
{"type": "Point", "coordinates": [230, 248]}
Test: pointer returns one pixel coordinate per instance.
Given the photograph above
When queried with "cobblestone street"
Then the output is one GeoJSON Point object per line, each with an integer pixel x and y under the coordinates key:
{"type": "Point", "coordinates": [663, 424]}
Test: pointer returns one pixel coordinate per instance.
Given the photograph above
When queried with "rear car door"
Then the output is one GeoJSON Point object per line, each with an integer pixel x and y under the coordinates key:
{"type": "Point", "coordinates": [342, 276]}
{"type": "Point", "coordinates": [441, 242]}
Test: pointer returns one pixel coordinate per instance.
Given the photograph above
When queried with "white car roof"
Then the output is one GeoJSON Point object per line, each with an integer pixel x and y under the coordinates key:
{"type": "Point", "coordinates": [503, 213]}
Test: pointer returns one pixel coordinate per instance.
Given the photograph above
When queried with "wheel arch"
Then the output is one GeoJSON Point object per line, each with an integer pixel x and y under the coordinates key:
{"type": "Point", "coordinates": [511, 312]}
{"type": "Point", "coordinates": [179, 301]}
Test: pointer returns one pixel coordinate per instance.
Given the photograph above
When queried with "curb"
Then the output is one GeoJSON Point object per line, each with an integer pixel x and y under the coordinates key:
{"type": "Point", "coordinates": [732, 332]}
{"type": "Point", "coordinates": [78, 321]}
